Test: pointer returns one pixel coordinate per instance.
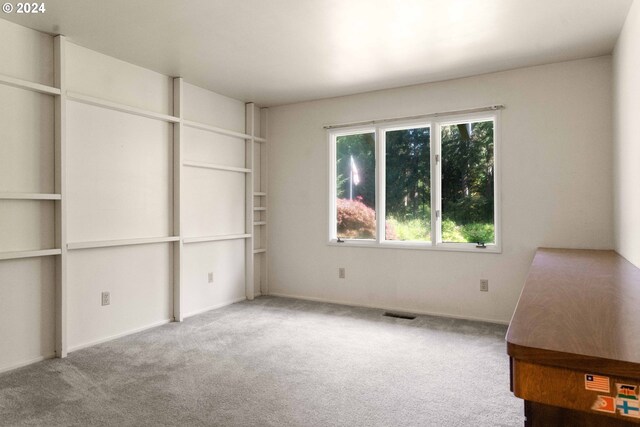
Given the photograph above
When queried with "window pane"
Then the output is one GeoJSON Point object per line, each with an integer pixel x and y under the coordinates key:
{"type": "Point", "coordinates": [356, 186]}
{"type": "Point", "coordinates": [408, 185]}
{"type": "Point", "coordinates": [467, 182]}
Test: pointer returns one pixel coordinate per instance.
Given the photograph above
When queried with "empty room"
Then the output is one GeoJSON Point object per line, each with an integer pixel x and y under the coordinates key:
{"type": "Point", "coordinates": [320, 213]}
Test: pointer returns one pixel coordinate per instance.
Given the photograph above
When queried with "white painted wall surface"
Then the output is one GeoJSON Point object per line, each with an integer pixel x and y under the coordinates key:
{"type": "Point", "coordinates": [95, 74]}
{"type": "Point", "coordinates": [626, 158]}
{"type": "Point", "coordinates": [26, 54]}
{"type": "Point", "coordinates": [139, 279]}
{"type": "Point", "coordinates": [225, 259]}
{"type": "Point", "coordinates": [556, 191]}
{"type": "Point", "coordinates": [210, 108]}
{"type": "Point", "coordinates": [27, 289]}
{"type": "Point", "coordinates": [119, 175]}
{"type": "Point", "coordinates": [119, 186]}
{"type": "Point", "coordinates": [213, 202]}
{"type": "Point", "coordinates": [26, 132]}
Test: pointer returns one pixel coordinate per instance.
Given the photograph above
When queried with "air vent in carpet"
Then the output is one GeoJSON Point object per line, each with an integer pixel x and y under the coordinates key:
{"type": "Point", "coordinates": [399, 315]}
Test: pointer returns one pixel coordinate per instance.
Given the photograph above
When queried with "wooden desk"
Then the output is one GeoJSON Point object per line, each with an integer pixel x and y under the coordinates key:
{"type": "Point", "coordinates": [578, 316]}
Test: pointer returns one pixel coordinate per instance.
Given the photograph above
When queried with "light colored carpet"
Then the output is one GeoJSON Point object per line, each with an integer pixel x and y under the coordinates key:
{"type": "Point", "coordinates": [276, 362]}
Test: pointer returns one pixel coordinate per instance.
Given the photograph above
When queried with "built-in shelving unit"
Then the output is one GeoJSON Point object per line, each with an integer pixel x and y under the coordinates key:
{"type": "Point", "coordinates": [257, 200]}
{"type": "Point", "coordinates": [254, 170]}
{"type": "Point", "coordinates": [56, 92]}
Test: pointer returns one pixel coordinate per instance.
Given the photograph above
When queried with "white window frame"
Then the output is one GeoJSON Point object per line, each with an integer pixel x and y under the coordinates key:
{"type": "Point", "coordinates": [435, 124]}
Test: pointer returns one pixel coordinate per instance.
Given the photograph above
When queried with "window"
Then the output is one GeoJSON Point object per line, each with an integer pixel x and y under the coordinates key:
{"type": "Point", "coordinates": [429, 183]}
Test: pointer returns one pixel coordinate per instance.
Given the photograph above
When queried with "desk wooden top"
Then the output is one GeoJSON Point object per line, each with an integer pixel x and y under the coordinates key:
{"type": "Point", "coordinates": [579, 309]}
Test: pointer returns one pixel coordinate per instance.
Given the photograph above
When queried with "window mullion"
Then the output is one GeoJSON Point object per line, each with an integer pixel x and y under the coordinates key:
{"type": "Point", "coordinates": [380, 185]}
{"type": "Point", "coordinates": [436, 182]}
{"type": "Point", "coordinates": [332, 187]}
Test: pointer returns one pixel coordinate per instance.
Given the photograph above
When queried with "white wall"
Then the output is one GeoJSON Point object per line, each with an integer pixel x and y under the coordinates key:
{"type": "Point", "coordinates": [119, 185]}
{"type": "Point", "coordinates": [556, 191]}
{"type": "Point", "coordinates": [213, 202]}
{"type": "Point", "coordinates": [27, 286]}
{"type": "Point", "coordinates": [626, 157]}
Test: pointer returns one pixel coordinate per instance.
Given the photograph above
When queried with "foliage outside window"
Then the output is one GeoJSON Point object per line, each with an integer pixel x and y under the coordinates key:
{"type": "Point", "coordinates": [425, 184]}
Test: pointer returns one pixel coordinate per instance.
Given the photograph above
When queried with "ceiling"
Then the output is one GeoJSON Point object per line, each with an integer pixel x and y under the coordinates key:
{"type": "Point", "coordinates": [282, 51]}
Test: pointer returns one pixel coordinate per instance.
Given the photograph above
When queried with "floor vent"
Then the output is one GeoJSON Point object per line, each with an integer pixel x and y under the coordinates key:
{"type": "Point", "coordinates": [399, 315]}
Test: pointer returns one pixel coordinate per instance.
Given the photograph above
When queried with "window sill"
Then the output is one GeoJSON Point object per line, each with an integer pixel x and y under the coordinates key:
{"type": "Point", "coordinates": [447, 247]}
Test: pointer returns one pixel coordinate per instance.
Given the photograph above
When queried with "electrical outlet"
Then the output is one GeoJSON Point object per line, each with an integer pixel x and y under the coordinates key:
{"type": "Point", "coordinates": [341, 273]}
{"type": "Point", "coordinates": [484, 285]}
{"type": "Point", "coordinates": [211, 277]}
{"type": "Point", "coordinates": [106, 298]}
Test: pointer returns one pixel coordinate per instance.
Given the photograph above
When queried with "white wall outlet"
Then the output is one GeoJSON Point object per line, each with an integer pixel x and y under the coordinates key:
{"type": "Point", "coordinates": [106, 298]}
{"type": "Point", "coordinates": [484, 285]}
{"type": "Point", "coordinates": [210, 277]}
{"type": "Point", "coordinates": [342, 273]}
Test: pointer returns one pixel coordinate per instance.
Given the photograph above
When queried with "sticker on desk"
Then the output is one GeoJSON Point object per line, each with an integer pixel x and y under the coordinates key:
{"type": "Point", "coordinates": [596, 383]}
{"type": "Point", "coordinates": [627, 391]}
{"type": "Point", "coordinates": [628, 407]}
{"type": "Point", "coordinates": [605, 404]}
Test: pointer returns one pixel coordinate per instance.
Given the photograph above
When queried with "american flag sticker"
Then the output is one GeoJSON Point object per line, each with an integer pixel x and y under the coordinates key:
{"type": "Point", "coordinates": [596, 383]}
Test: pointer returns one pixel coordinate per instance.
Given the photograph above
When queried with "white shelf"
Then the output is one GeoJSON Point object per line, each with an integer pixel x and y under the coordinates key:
{"type": "Point", "coordinates": [259, 193]}
{"type": "Point", "coordinates": [24, 84]}
{"type": "Point", "coordinates": [206, 165]}
{"type": "Point", "coordinates": [90, 100]}
{"type": "Point", "coordinates": [29, 196]}
{"type": "Point", "coordinates": [260, 223]}
{"type": "Point", "coordinates": [215, 238]}
{"type": "Point", "coordinates": [215, 129]}
{"type": "Point", "coordinates": [260, 209]}
{"type": "Point", "coordinates": [259, 251]}
{"type": "Point", "coordinates": [123, 242]}
{"type": "Point", "coordinates": [29, 254]}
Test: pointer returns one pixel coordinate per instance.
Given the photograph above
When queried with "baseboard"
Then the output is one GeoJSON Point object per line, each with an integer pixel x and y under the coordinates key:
{"type": "Point", "coordinates": [25, 363]}
{"type": "Point", "coordinates": [213, 307]}
{"type": "Point", "coordinates": [401, 309]}
{"type": "Point", "coordinates": [120, 335]}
